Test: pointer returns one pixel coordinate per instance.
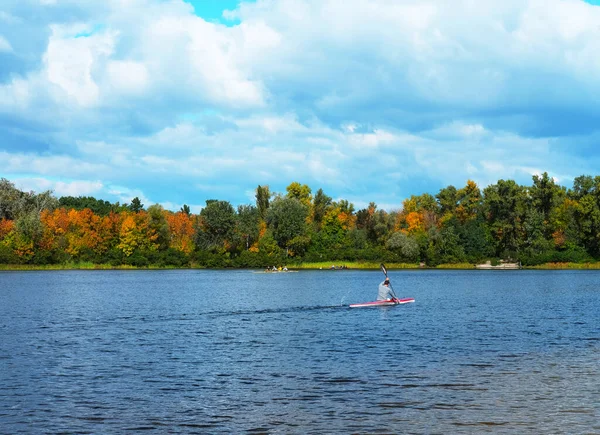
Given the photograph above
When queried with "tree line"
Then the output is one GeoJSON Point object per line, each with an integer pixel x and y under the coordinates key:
{"type": "Point", "coordinates": [535, 224]}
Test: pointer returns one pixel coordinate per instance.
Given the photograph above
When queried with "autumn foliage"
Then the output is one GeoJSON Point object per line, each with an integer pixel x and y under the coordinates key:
{"type": "Point", "coordinates": [540, 223]}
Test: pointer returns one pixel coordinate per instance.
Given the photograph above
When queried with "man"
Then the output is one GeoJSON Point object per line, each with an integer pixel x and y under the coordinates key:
{"type": "Point", "coordinates": [385, 292]}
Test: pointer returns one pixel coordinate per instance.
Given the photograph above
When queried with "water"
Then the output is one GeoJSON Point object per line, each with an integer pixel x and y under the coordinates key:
{"type": "Point", "coordinates": [242, 352]}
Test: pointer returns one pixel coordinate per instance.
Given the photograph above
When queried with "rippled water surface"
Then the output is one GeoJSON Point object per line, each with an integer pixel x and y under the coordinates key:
{"type": "Point", "coordinates": [243, 352]}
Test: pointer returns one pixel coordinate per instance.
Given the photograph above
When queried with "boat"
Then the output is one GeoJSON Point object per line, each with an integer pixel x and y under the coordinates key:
{"type": "Point", "coordinates": [275, 271]}
{"type": "Point", "coordinates": [384, 303]}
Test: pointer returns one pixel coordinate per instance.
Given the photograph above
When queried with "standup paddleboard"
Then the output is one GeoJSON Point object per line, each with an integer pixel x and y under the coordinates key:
{"type": "Point", "coordinates": [385, 303]}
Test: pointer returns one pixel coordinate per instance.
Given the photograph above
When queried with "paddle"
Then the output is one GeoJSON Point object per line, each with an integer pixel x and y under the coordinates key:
{"type": "Point", "coordinates": [384, 270]}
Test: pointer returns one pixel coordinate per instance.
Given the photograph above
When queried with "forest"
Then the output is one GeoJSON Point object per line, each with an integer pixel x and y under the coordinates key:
{"type": "Point", "coordinates": [537, 224]}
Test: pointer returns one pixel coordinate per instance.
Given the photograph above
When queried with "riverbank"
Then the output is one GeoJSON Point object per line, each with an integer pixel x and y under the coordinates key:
{"type": "Point", "coordinates": [332, 266]}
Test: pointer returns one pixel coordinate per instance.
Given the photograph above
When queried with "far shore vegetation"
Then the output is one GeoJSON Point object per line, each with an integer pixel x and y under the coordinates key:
{"type": "Point", "coordinates": [541, 226]}
{"type": "Point", "coordinates": [294, 266]}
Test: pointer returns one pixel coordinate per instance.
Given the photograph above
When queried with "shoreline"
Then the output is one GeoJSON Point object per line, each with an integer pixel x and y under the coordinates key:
{"type": "Point", "coordinates": [339, 267]}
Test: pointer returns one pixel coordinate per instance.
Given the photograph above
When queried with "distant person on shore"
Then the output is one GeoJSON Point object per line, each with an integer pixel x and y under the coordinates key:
{"type": "Point", "coordinates": [385, 292]}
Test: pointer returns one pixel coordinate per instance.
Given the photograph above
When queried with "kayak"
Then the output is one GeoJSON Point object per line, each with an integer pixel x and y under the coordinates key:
{"type": "Point", "coordinates": [384, 303]}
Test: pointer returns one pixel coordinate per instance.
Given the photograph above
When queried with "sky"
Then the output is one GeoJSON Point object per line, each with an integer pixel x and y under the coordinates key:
{"type": "Point", "coordinates": [177, 102]}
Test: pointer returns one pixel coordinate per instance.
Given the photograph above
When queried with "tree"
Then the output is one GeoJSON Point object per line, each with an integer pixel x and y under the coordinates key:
{"type": "Point", "coordinates": [321, 203]}
{"type": "Point", "coordinates": [334, 227]}
{"type": "Point", "coordinates": [445, 246]}
{"type": "Point", "coordinates": [186, 209]}
{"type": "Point", "coordinates": [181, 231]}
{"type": "Point", "coordinates": [98, 206]}
{"type": "Point", "coordinates": [216, 224]}
{"type": "Point", "coordinates": [262, 200]}
{"type": "Point", "coordinates": [159, 225]}
{"type": "Point", "coordinates": [136, 205]}
{"type": "Point", "coordinates": [469, 201]}
{"type": "Point", "coordinates": [545, 196]}
{"type": "Point", "coordinates": [248, 220]}
{"type": "Point", "coordinates": [14, 203]}
{"type": "Point", "coordinates": [287, 220]}
{"type": "Point", "coordinates": [10, 198]}
{"type": "Point", "coordinates": [586, 212]}
{"type": "Point", "coordinates": [299, 191]}
{"type": "Point", "coordinates": [365, 220]}
{"type": "Point", "coordinates": [6, 226]}
{"type": "Point", "coordinates": [504, 204]}
{"type": "Point", "coordinates": [136, 235]}
{"type": "Point", "coordinates": [447, 199]}
{"type": "Point", "coordinates": [406, 246]}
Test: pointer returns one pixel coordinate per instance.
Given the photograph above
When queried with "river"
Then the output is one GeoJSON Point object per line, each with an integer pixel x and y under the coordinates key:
{"type": "Point", "coordinates": [195, 351]}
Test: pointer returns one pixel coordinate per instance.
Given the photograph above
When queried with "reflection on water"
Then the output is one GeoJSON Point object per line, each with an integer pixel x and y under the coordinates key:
{"type": "Point", "coordinates": [234, 352]}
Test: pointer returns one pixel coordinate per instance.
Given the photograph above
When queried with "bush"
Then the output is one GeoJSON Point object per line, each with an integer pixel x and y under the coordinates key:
{"type": "Point", "coordinates": [114, 257]}
{"type": "Point", "coordinates": [249, 259]}
{"type": "Point", "coordinates": [574, 254]}
{"type": "Point", "coordinates": [7, 256]}
{"type": "Point", "coordinates": [137, 259]}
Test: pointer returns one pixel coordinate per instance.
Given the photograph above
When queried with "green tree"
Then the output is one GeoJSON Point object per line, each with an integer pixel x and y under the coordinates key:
{"type": "Point", "coordinates": [159, 225]}
{"type": "Point", "coordinates": [98, 206]}
{"type": "Point", "coordinates": [263, 197]}
{"type": "Point", "coordinates": [447, 199]}
{"type": "Point", "coordinates": [217, 225]}
{"type": "Point", "coordinates": [445, 246]}
{"type": "Point", "coordinates": [505, 204]}
{"type": "Point", "coordinates": [136, 205]}
{"type": "Point", "coordinates": [545, 196]}
{"type": "Point", "coordinates": [366, 219]}
{"type": "Point", "coordinates": [321, 203]}
{"type": "Point", "coordinates": [586, 194]}
{"type": "Point", "coordinates": [406, 246]}
{"type": "Point", "coordinates": [287, 220]}
{"type": "Point", "coordinates": [186, 210]}
{"type": "Point", "coordinates": [248, 219]}
{"type": "Point", "coordinates": [475, 239]}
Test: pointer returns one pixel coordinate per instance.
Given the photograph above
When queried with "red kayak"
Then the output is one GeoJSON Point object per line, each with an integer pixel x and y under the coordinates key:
{"type": "Point", "coordinates": [384, 303]}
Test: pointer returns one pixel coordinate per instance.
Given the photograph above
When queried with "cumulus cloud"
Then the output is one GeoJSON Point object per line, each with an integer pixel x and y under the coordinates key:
{"type": "Point", "coordinates": [369, 99]}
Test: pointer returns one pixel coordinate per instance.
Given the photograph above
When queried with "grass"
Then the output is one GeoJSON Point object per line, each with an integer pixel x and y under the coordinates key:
{"type": "Point", "coordinates": [568, 266]}
{"type": "Point", "coordinates": [70, 266]}
{"type": "Point", "coordinates": [352, 265]}
{"type": "Point", "coordinates": [456, 266]}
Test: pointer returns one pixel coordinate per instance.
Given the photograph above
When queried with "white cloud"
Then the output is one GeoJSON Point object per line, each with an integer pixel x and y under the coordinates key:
{"type": "Point", "coordinates": [60, 188]}
{"type": "Point", "coordinates": [5, 45]}
{"type": "Point", "coordinates": [55, 165]}
{"type": "Point", "coordinates": [125, 194]}
{"type": "Point", "coordinates": [70, 62]}
{"type": "Point", "coordinates": [128, 77]}
{"type": "Point", "coordinates": [356, 96]}
{"type": "Point", "coordinates": [15, 96]}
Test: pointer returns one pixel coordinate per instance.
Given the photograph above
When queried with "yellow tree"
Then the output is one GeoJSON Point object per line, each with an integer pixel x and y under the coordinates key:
{"type": "Point", "coordinates": [135, 233]}
{"type": "Point", "coordinates": [469, 201]}
{"type": "Point", "coordinates": [301, 192]}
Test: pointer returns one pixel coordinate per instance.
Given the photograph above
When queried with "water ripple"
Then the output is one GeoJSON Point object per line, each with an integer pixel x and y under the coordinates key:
{"type": "Point", "coordinates": [113, 352]}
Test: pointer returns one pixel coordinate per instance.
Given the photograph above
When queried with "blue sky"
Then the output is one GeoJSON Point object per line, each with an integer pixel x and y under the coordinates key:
{"type": "Point", "coordinates": [372, 100]}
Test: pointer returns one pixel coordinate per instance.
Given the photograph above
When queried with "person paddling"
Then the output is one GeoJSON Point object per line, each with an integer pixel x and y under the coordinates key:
{"type": "Point", "coordinates": [385, 292]}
